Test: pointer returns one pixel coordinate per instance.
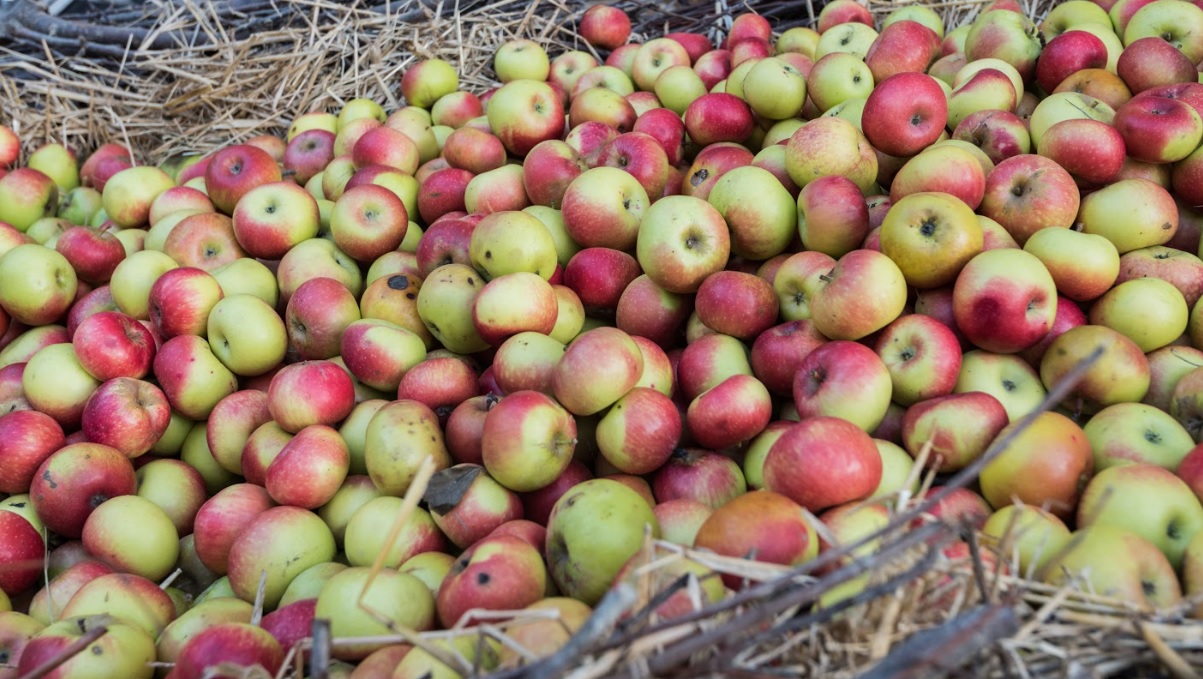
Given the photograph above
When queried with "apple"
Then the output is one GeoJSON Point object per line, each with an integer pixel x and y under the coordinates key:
{"type": "Point", "coordinates": [281, 541]}
{"type": "Point", "coordinates": [832, 217]}
{"type": "Point", "coordinates": [1127, 433]}
{"type": "Point", "coordinates": [761, 525]}
{"type": "Point", "coordinates": [122, 650]}
{"type": "Point", "coordinates": [827, 146]}
{"type": "Point", "coordinates": [1149, 311]}
{"type": "Point", "coordinates": [1026, 193]}
{"type": "Point", "coordinates": [236, 645]}
{"type": "Point", "coordinates": [999, 134]}
{"type": "Point", "coordinates": [110, 344]}
{"type": "Point", "coordinates": [1145, 578]}
{"type": "Point", "coordinates": [729, 413]}
{"type": "Point", "coordinates": [398, 440]}
{"type": "Point", "coordinates": [310, 392]}
{"type": "Point", "coordinates": [1171, 514]}
{"type": "Point", "coordinates": [915, 99]}
{"type": "Point", "coordinates": [524, 112]}
{"type": "Point", "coordinates": [527, 440]}
{"type": "Point", "coordinates": [55, 383]}
{"type": "Point", "coordinates": [852, 466]}
{"type": "Point", "coordinates": [931, 237]}
{"type": "Point", "coordinates": [1025, 294]}
{"type": "Point", "coordinates": [500, 572]}
{"type": "Point", "coordinates": [233, 171]}
{"type": "Point", "coordinates": [922, 356]}
{"type": "Point", "coordinates": [1083, 265]}
{"type": "Point", "coordinates": [84, 475]}
{"type": "Point", "coordinates": [593, 530]}
{"type": "Point", "coordinates": [1145, 210]}
{"type": "Point", "coordinates": [1120, 375]}
{"type": "Point", "coordinates": [837, 374]}
{"type": "Point", "coordinates": [842, 306]}
{"type": "Point", "coordinates": [272, 218]}
{"type": "Point", "coordinates": [37, 284]}
{"type": "Point", "coordinates": [127, 414]}
{"type": "Point", "coordinates": [604, 27]}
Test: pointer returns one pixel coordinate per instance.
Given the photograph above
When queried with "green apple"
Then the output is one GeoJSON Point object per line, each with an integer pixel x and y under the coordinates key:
{"type": "Point", "coordinates": [357, 601]}
{"type": "Point", "coordinates": [1147, 500]}
{"type": "Point", "coordinates": [854, 38]}
{"type": "Point", "coordinates": [759, 211]}
{"type": "Point", "coordinates": [309, 583]}
{"type": "Point", "coordinates": [122, 651]}
{"type": "Point", "coordinates": [1110, 561]}
{"type": "Point", "coordinates": [134, 535]}
{"type": "Point", "coordinates": [1149, 311]}
{"type": "Point", "coordinates": [836, 78]}
{"type": "Point", "coordinates": [133, 278]}
{"type": "Point", "coordinates": [511, 241]}
{"type": "Point", "coordinates": [37, 284]}
{"type": "Point", "coordinates": [445, 303]}
{"type": "Point", "coordinates": [246, 335]}
{"type": "Point", "coordinates": [127, 195]}
{"type": "Point", "coordinates": [248, 276]}
{"type": "Point", "coordinates": [774, 89]}
{"type": "Point", "coordinates": [594, 529]}
{"type": "Point", "coordinates": [521, 59]}
{"type": "Point", "coordinates": [1006, 377]}
{"type": "Point", "coordinates": [1029, 535]}
{"type": "Point", "coordinates": [1136, 433]}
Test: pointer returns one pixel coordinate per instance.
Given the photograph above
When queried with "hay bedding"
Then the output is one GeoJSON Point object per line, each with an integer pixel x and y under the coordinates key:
{"type": "Point", "coordinates": [183, 76]}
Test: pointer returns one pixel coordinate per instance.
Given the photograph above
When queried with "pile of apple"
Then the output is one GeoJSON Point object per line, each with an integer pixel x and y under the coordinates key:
{"type": "Point", "coordinates": [690, 290]}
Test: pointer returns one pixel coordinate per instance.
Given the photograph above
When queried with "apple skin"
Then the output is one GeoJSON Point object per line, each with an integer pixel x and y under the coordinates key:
{"type": "Point", "coordinates": [124, 650]}
{"type": "Point", "coordinates": [235, 170]}
{"type": "Point", "coordinates": [1121, 374]}
{"type": "Point", "coordinates": [847, 454]}
{"type": "Point", "coordinates": [593, 530]}
{"type": "Point", "coordinates": [233, 644]}
{"type": "Point", "coordinates": [527, 440]}
{"type": "Point", "coordinates": [1026, 193]}
{"type": "Point", "coordinates": [1053, 478]}
{"type": "Point", "coordinates": [30, 437]}
{"type": "Point", "coordinates": [523, 113]}
{"type": "Point", "coordinates": [960, 427]}
{"type": "Point", "coordinates": [1066, 54]}
{"type": "Point", "coordinates": [1010, 284]}
{"type": "Point", "coordinates": [37, 284]}
{"type": "Point", "coordinates": [738, 304]}
{"type": "Point", "coordinates": [310, 392]}
{"type": "Point", "coordinates": [1083, 265]}
{"type": "Point", "coordinates": [113, 345]}
{"type": "Point", "coordinates": [922, 355]}
{"type": "Point", "coordinates": [84, 475]}
{"type": "Point", "coordinates": [837, 374]}
{"type": "Point", "coordinates": [283, 541]}
{"type": "Point", "coordinates": [1144, 579]}
{"type": "Point", "coordinates": [915, 98]}
{"type": "Point", "coordinates": [729, 413]}
{"type": "Point", "coordinates": [1137, 433]}
{"type": "Point", "coordinates": [22, 548]}
{"type": "Point", "coordinates": [605, 27]}
{"type": "Point", "coordinates": [191, 377]}
{"type": "Point", "coordinates": [1169, 516]}
{"type": "Point", "coordinates": [484, 505]}
{"type": "Point", "coordinates": [864, 292]}
{"type": "Point", "coordinates": [127, 414]}
{"type": "Point", "coordinates": [640, 431]}
{"type": "Point", "coordinates": [180, 301]}
{"type": "Point", "coordinates": [832, 218]}
{"type": "Point", "coordinates": [310, 468]}
{"type": "Point", "coordinates": [930, 236]}
{"type": "Point", "coordinates": [1145, 210]}
{"type": "Point", "coordinates": [830, 145]}
{"type": "Point", "coordinates": [762, 525]}
{"type": "Point", "coordinates": [498, 573]}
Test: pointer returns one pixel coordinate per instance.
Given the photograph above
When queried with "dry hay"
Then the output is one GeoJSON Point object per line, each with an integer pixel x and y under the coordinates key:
{"type": "Point", "coordinates": [192, 75]}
